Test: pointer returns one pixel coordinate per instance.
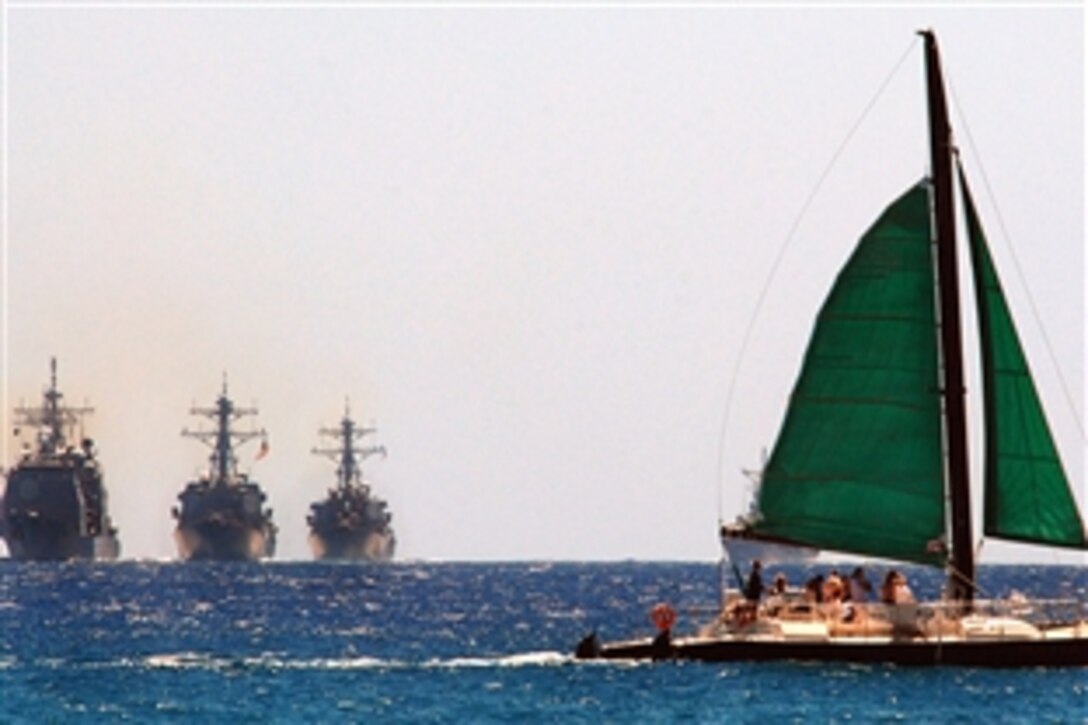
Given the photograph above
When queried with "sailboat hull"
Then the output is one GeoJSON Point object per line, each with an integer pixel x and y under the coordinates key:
{"type": "Point", "coordinates": [1071, 651]}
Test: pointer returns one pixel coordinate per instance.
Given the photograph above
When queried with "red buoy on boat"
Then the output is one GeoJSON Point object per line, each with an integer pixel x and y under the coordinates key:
{"type": "Point", "coordinates": [663, 616]}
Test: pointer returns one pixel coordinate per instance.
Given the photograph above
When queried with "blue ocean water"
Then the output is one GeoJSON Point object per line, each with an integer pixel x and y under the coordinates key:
{"type": "Point", "coordinates": [291, 642]}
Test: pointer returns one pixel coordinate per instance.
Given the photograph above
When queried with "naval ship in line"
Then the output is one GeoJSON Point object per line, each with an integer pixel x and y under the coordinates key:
{"type": "Point", "coordinates": [350, 523]}
{"type": "Point", "coordinates": [222, 516]}
{"type": "Point", "coordinates": [54, 503]}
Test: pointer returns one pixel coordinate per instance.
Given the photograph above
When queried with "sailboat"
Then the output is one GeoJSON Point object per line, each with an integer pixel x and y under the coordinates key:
{"type": "Point", "coordinates": [872, 457]}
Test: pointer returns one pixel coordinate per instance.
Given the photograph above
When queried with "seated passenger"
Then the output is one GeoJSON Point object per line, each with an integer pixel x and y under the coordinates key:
{"type": "Point", "coordinates": [833, 596]}
{"type": "Point", "coordinates": [901, 592]}
{"type": "Point", "coordinates": [833, 588]}
{"type": "Point", "coordinates": [814, 589]}
{"type": "Point", "coordinates": [887, 589]}
{"type": "Point", "coordinates": [860, 587]}
{"type": "Point", "coordinates": [902, 611]}
{"type": "Point", "coordinates": [776, 597]}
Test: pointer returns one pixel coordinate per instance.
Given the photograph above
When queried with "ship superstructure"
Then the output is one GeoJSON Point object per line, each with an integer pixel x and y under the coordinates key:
{"type": "Point", "coordinates": [55, 503]}
{"type": "Point", "coordinates": [351, 523]}
{"type": "Point", "coordinates": [222, 515]}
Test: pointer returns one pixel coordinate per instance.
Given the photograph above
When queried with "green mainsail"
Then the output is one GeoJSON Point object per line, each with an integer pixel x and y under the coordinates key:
{"type": "Point", "coordinates": [1027, 496]}
{"type": "Point", "coordinates": [858, 465]}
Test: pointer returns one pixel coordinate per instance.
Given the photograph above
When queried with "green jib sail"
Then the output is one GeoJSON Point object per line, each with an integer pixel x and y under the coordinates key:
{"type": "Point", "coordinates": [1027, 496]}
{"type": "Point", "coordinates": [858, 465]}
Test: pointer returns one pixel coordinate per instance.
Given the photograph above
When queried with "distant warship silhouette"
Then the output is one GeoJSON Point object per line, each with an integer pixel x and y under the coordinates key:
{"type": "Point", "coordinates": [54, 505]}
{"type": "Point", "coordinates": [222, 515]}
{"type": "Point", "coordinates": [350, 523]}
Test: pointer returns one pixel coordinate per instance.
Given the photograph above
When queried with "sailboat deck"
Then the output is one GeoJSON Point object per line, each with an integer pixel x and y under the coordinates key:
{"type": "Point", "coordinates": [916, 634]}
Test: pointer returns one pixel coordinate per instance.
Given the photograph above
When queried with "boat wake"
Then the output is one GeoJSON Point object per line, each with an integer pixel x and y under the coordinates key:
{"type": "Point", "coordinates": [269, 662]}
{"type": "Point", "coordinates": [527, 659]}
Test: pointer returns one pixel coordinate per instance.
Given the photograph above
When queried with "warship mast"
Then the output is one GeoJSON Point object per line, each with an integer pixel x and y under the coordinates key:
{"type": "Point", "coordinates": [348, 456]}
{"type": "Point", "coordinates": [52, 419]}
{"type": "Point", "coordinates": [222, 440]}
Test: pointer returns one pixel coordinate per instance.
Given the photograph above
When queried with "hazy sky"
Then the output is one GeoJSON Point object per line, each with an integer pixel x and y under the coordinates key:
{"type": "Point", "coordinates": [525, 241]}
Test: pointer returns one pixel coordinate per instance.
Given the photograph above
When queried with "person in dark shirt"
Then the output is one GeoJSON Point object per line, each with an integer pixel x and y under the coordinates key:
{"type": "Point", "coordinates": [753, 590]}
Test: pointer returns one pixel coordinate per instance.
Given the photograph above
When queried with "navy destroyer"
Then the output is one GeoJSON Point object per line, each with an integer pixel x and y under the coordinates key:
{"type": "Point", "coordinates": [54, 506]}
{"type": "Point", "coordinates": [222, 515]}
{"type": "Point", "coordinates": [350, 523]}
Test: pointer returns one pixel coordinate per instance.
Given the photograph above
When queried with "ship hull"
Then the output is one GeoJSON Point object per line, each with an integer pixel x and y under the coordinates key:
{"type": "Point", "coordinates": [56, 511]}
{"type": "Point", "coordinates": [351, 525]}
{"type": "Point", "coordinates": [214, 541]}
{"type": "Point", "coordinates": [43, 541]}
{"type": "Point", "coordinates": [1049, 652]}
{"type": "Point", "coordinates": [352, 545]}
{"type": "Point", "coordinates": [223, 522]}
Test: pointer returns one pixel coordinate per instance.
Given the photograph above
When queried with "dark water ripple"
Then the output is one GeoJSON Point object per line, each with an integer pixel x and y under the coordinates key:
{"type": "Point", "coordinates": [442, 642]}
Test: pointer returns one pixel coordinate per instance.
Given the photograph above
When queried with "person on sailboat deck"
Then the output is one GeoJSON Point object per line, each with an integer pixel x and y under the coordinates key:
{"type": "Point", "coordinates": [814, 589]}
{"type": "Point", "coordinates": [778, 598]}
{"type": "Point", "coordinates": [860, 586]}
{"type": "Point", "coordinates": [833, 587]}
{"type": "Point", "coordinates": [753, 590]}
{"type": "Point", "coordinates": [856, 593]}
{"type": "Point", "coordinates": [895, 589]}
{"type": "Point", "coordinates": [834, 594]}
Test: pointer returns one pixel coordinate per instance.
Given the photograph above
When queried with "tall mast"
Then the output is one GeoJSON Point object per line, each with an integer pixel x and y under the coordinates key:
{"type": "Point", "coordinates": [961, 580]}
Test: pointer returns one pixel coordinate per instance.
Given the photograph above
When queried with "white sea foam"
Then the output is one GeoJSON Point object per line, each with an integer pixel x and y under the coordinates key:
{"type": "Point", "coordinates": [194, 660]}
{"type": "Point", "coordinates": [527, 659]}
{"type": "Point", "coordinates": [182, 660]}
{"type": "Point", "coordinates": [323, 663]}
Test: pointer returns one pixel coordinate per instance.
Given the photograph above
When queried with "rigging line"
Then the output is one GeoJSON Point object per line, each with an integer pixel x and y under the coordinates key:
{"type": "Point", "coordinates": [973, 583]}
{"type": "Point", "coordinates": [782, 253]}
{"type": "Point", "coordinates": [1007, 238]}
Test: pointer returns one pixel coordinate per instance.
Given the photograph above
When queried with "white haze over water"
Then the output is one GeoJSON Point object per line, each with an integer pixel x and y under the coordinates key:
{"type": "Point", "coordinates": [526, 242]}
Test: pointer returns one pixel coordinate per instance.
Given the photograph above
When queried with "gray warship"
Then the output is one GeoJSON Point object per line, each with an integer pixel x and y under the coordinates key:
{"type": "Point", "coordinates": [222, 516]}
{"type": "Point", "coordinates": [55, 505]}
{"type": "Point", "coordinates": [351, 523]}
